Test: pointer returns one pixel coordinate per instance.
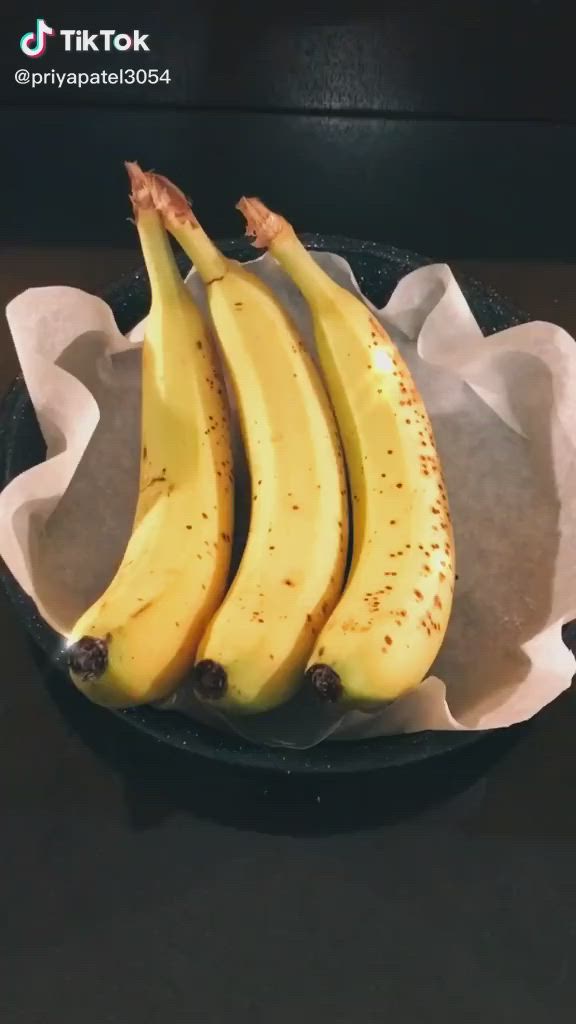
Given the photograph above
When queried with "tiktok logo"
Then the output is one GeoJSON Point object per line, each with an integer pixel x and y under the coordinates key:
{"type": "Point", "coordinates": [33, 44]}
{"type": "Point", "coordinates": [82, 40]}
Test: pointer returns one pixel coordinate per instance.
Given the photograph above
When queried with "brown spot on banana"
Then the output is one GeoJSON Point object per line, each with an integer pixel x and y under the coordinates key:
{"type": "Point", "coordinates": [141, 609]}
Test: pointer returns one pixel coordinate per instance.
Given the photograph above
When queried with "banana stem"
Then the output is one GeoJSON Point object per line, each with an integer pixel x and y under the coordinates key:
{"type": "Point", "coordinates": [209, 262]}
{"type": "Point", "coordinates": [158, 256]}
{"type": "Point", "coordinates": [270, 230]}
{"type": "Point", "coordinates": [181, 222]}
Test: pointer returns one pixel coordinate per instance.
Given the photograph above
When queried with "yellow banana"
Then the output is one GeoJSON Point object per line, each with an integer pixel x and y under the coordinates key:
{"type": "Point", "coordinates": [390, 622]}
{"type": "Point", "coordinates": [255, 650]}
{"type": "Point", "coordinates": [136, 641]}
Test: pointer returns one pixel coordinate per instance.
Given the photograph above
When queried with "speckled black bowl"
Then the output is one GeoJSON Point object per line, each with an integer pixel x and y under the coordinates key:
{"type": "Point", "coordinates": [378, 269]}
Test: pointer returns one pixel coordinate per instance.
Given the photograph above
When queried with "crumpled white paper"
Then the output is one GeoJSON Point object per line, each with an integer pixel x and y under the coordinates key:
{"type": "Point", "coordinates": [505, 425]}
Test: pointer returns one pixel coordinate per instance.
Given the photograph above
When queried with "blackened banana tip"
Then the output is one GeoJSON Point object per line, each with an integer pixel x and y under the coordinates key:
{"type": "Point", "coordinates": [209, 681]}
{"type": "Point", "coordinates": [88, 658]}
{"type": "Point", "coordinates": [325, 682]}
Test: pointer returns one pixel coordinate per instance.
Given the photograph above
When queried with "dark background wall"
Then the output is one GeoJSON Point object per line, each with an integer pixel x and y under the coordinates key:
{"type": "Point", "coordinates": [447, 128]}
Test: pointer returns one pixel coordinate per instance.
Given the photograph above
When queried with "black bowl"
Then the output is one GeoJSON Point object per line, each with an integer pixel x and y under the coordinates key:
{"type": "Point", "coordinates": [378, 269]}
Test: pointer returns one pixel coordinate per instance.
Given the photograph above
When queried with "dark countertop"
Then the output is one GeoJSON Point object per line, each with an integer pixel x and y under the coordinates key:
{"type": "Point", "coordinates": [138, 886]}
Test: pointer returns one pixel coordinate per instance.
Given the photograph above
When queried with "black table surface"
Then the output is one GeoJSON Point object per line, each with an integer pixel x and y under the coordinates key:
{"type": "Point", "coordinates": [139, 886]}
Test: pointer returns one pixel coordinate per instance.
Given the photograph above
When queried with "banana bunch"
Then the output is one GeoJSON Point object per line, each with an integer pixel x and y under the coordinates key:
{"type": "Point", "coordinates": [285, 617]}
{"type": "Point", "coordinates": [254, 652]}
{"type": "Point", "coordinates": [391, 619]}
{"type": "Point", "coordinates": [251, 651]}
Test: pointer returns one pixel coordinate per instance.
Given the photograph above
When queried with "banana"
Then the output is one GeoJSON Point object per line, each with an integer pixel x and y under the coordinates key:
{"type": "Point", "coordinates": [255, 650]}
{"type": "Point", "coordinates": [390, 622]}
{"type": "Point", "coordinates": [136, 641]}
